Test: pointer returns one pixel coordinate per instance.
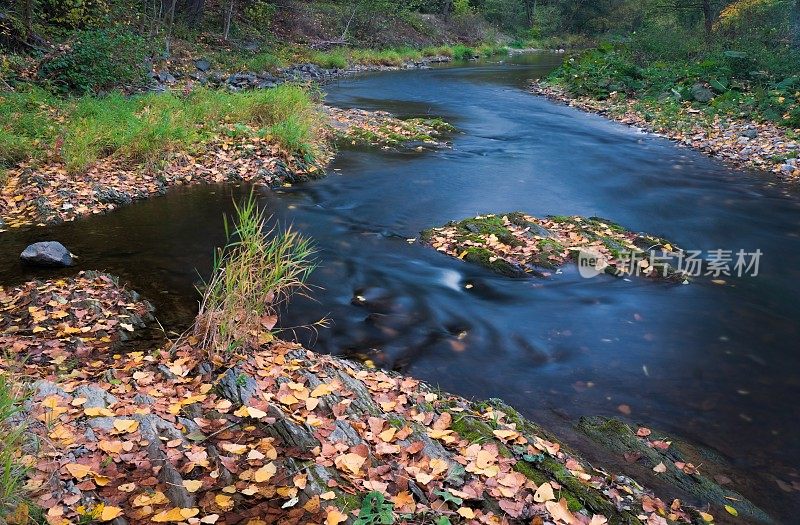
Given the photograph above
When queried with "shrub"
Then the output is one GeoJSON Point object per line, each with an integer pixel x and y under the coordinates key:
{"type": "Point", "coordinates": [765, 20]}
{"type": "Point", "coordinates": [75, 14]}
{"type": "Point", "coordinates": [598, 72]}
{"type": "Point", "coordinates": [461, 7]}
{"type": "Point", "coordinates": [259, 13]}
{"type": "Point", "coordinates": [97, 60]}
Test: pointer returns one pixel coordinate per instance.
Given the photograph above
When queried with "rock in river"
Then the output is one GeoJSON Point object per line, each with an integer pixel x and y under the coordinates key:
{"type": "Point", "coordinates": [48, 253]}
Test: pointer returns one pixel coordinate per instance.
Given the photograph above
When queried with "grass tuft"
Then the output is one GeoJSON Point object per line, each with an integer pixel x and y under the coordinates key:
{"type": "Point", "coordinates": [258, 270]}
{"type": "Point", "coordinates": [12, 495]}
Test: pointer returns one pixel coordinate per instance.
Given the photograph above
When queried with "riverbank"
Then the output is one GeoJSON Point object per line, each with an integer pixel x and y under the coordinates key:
{"type": "Point", "coordinates": [739, 142]}
{"type": "Point", "coordinates": [276, 432]}
{"type": "Point", "coordinates": [108, 152]}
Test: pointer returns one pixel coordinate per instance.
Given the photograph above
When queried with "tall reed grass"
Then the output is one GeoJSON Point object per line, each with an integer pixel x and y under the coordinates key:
{"type": "Point", "coordinates": [260, 268]}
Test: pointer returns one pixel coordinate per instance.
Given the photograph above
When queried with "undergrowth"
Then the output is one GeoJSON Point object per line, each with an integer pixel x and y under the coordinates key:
{"type": "Point", "coordinates": [737, 76]}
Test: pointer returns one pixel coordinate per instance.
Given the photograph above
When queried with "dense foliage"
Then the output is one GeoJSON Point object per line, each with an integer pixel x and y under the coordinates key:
{"type": "Point", "coordinates": [745, 67]}
{"type": "Point", "coordinates": [97, 60]}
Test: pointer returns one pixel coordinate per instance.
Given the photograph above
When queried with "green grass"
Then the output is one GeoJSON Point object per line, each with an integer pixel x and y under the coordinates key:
{"type": "Point", "coordinates": [490, 50]}
{"type": "Point", "coordinates": [257, 271]}
{"type": "Point", "coordinates": [11, 472]}
{"type": "Point", "coordinates": [329, 60]}
{"type": "Point", "coordinates": [144, 128]}
{"type": "Point", "coordinates": [462, 52]}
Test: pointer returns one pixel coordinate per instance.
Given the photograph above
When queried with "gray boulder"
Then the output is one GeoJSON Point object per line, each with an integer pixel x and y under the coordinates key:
{"type": "Point", "coordinates": [165, 77]}
{"type": "Point", "coordinates": [202, 64]}
{"type": "Point", "coordinates": [750, 133]}
{"type": "Point", "coordinates": [701, 93]}
{"type": "Point", "coordinates": [48, 253]}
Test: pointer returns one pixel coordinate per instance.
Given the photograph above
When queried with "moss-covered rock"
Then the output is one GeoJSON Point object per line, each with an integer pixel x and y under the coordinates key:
{"type": "Point", "coordinates": [516, 244]}
{"type": "Point", "coordinates": [673, 459]}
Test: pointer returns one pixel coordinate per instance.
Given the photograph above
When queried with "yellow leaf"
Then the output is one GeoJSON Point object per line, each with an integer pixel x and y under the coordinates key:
{"type": "Point", "coordinates": [335, 517]}
{"type": "Point", "coordinates": [265, 473]}
{"type": "Point", "coordinates": [388, 434]}
{"type": "Point", "coordinates": [77, 470]}
{"type": "Point", "coordinates": [288, 399]}
{"type": "Point", "coordinates": [506, 434]}
{"type": "Point", "coordinates": [466, 512]}
{"type": "Point", "coordinates": [706, 517]}
{"type": "Point", "coordinates": [234, 448]}
{"type": "Point", "coordinates": [544, 493]}
{"type": "Point", "coordinates": [175, 514]}
{"type": "Point", "coordinates": [732, 511]}
{"type": "Point", "coordinates": [98, 412]}
{"type": "Point", "coordinates": [224, 501]}
{"type": "Point", "coordinates": [351, 462]}
{"type": "Point", "coordinates": [126, 425]}
{"type": "Point", "coordinates": [192, 485]}
{"type": "Point", "coordinates": [128, 487]}
{"type": "Point", "coordinates": [100, 480]}
{"type": "Point", "coordinates": [109, 513]}
{"type": "Point", "coordinates": [328, 495]}
{"type": "Point", "coordinates": [323, 390]}
{"type": "Point", "coordinates": [255, 413]}
{"type": "Point", "coordinates": [110, 447]}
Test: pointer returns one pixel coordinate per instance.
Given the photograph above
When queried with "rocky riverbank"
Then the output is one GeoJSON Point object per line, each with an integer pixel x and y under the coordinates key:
{"type": "Point", "coordinates": [200, 71]}
{"type": "Point", "coordinates": [278, 434]}
{"type": "Point", "coordinates": [740, 142]}
{"type": "Point", "coordinates": [517, 245]}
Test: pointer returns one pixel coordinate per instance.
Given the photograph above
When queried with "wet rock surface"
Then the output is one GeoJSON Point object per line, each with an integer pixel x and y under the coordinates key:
{"type": "Point", "coordinates": [47, 254]}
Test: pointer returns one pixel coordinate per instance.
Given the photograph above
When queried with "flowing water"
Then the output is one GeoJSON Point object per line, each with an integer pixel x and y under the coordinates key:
{"type": "Point", "coordinates": [717, 364]}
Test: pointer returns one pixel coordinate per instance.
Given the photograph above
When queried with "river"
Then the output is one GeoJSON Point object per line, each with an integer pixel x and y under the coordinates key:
{"type": "Point", "coordinates": [716, 364]}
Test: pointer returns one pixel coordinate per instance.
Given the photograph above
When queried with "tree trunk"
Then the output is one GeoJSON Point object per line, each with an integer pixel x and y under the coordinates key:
{"type": "Point", "coordinates": [528, 13]}
{"type": "Point", "coordinates": [708, 16]}
{"type": "Point", "coordinates": [27, 15]}
{"type": "Point", "coordinates": [447, 8]}
{"type": "Point", "coordinates": [228, 19]}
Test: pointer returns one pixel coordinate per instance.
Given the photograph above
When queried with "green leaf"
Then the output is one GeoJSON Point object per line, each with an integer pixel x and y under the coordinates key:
{"type": "Point", "coordinates": [448, 497]}
{"type": "Point", "coordinates": [531, 458]}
